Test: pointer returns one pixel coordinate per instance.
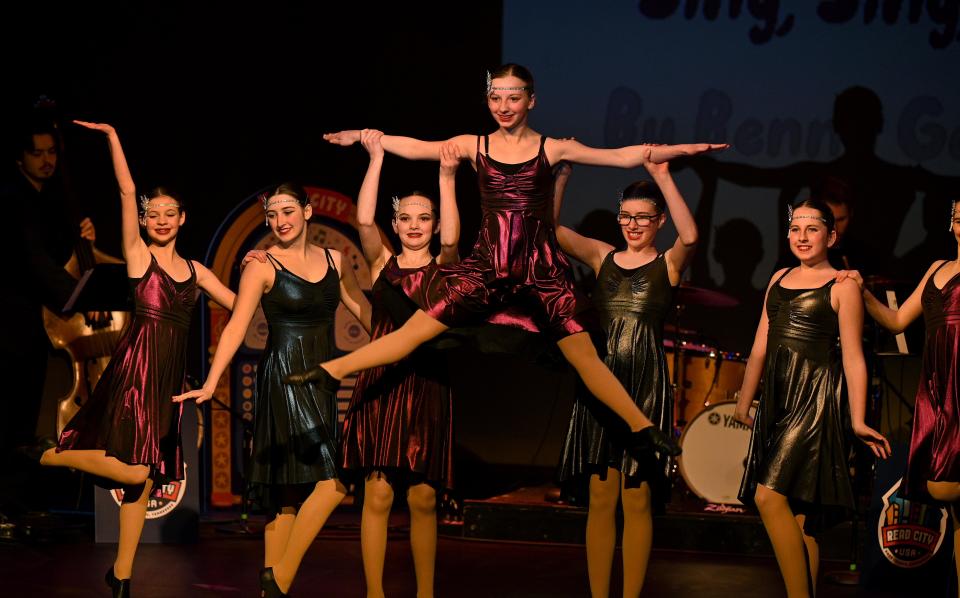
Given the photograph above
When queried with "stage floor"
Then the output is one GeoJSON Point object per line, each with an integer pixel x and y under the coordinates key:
{"type": "Point", "coordinates": [68, 563]}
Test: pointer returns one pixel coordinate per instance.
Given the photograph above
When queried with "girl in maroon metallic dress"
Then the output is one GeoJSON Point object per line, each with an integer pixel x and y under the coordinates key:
{"type": "Point", "coordinates": [933, 465]}
{"type": "Point", "coordinates": [398, 428]}
{"type": "Point", "coordinates": [516, 260]}
{"type": "Point", "coordinates": [128, 433]}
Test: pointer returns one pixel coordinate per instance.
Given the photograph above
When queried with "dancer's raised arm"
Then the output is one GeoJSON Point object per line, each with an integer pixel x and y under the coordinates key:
{"type": "Point", "coordinates": [374, 249]}
{"type": "Point", "coordinates": [681, 254]}
{"type": "Point", "coordinates": [589, 251]}
{"type": "Point", "coordinates": [450, 157]}
{"type": "Point", "coordinates": [135, 251]}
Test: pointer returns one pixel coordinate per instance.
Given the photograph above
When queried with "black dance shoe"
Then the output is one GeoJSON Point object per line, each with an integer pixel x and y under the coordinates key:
{"type": "Point", "coordinates": [120, 587]}
{"type": "Point", "coordinates": [649, 440]}
{"type": "Point", "coordinates": [268, 584]}
{"type": "Point", "coordinates": [314, 375]}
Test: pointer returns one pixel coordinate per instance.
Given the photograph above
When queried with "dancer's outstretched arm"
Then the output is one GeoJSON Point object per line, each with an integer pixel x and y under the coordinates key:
{"type": "Point", "coordinates": [253, 282]}
{"type": "Point", "coordinates": [405, 147]}
{"type": "Point", "coordinates": [630, 156]}
{"type": "Point", "coordinates": [135, 251]}
{"type": "Point", "coordinates": [894, 320]}
{"type": "Point", "coordinates": [450, 157]}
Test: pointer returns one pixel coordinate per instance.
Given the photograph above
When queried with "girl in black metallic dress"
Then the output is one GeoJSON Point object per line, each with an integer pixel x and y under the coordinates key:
{"type": "Point", "coordinates": [797, 472]}
{"type": "Point", "coordinates": [633, 294]}
{"type": "Point", "coordinates": [296, 432]}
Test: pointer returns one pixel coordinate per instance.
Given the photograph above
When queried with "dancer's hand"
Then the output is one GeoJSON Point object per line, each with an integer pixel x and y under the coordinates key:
{"type": "Point", "coordinates": [370, 139]}
{"type": "Point", "coordinates": [665, 153]}
{"type": "Point", "coordinates": [744, 418]}
{"type": "Point", "coordinates": [200, 395]}
{"type": "Point", "coordinates": [102, 127]}
{"type": "Point", "coordinates": [654, 168]}
{"type": "Point", "coordinates": [254, 254]}
{"type": "Point", "coordinates": [449, 158]}
{"type": "Point", "coordinates": [343, 138]}
{"type": "Point", "coordinates": [875, 440]}
{"type": "Point", "coordinates": [853, 275]}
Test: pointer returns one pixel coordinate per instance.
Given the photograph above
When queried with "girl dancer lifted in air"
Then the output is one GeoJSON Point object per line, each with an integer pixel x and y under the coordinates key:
{"type": "Point", "coordinates": [516, 260]}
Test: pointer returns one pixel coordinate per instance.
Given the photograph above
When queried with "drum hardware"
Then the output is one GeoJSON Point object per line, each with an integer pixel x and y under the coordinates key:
{"type": "Point", "coordinates": [688, 294]}
{"type": "Point", "coordinates": [714, 455]}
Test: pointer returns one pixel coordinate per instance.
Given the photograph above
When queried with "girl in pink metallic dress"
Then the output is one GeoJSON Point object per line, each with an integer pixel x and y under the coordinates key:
{"type": "Point", "coordinates": [128, 433]}
{"type": "Point", "coordinates": [516, 260]}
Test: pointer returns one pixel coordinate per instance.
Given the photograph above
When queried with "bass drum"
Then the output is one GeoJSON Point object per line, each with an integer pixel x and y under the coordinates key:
{"type": "Point", "coordinates": [715, 454]}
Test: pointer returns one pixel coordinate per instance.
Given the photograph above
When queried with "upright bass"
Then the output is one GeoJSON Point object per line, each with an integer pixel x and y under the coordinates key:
{"type": "Point", "coordinates": [88, 342]}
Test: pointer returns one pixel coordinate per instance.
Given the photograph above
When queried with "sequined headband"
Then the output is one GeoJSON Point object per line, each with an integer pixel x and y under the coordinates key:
{"type": "Point", "coordinates": [268, 200]}
{"type": "Point", "coordinates": [396, 204]}
{"type": "Point", "coordinates": [145, 204]}
{"type": "Point", "coordinates": [790, 217]}
{"type": "Point", "coordinates": [490, 86]}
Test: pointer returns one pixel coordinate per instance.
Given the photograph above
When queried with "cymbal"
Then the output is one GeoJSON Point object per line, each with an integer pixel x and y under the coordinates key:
{"type": "Point", "coordinates": [688, 294]}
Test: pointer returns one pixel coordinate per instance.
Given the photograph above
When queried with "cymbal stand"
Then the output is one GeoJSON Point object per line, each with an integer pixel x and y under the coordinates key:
{"type": "Point", "coordinates": [679, 392]}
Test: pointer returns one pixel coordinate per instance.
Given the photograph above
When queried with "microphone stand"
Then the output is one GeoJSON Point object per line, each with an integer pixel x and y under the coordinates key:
{"type": "Point", "coordinates": [243, 521]}
{"type": "Point", "coordinates": [864, 476]}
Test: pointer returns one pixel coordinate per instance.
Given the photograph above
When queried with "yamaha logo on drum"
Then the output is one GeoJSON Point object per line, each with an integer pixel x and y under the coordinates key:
{"type": "Point", "coordinates": [909, 533]}
{"type": "Point", "coordinates": [729, 421]}
{"type": "Point", "coordinates": [170, 496]}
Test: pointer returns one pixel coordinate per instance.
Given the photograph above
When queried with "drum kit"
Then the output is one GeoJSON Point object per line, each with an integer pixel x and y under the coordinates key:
{"type": "Point", "coordinates": [706, 382]}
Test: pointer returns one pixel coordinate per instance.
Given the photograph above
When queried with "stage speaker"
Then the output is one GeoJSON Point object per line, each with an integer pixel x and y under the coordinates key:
{"type": "Point", "coordinates": [174, 516]}
{"type": "Point", "coordinates": [909, 545]}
